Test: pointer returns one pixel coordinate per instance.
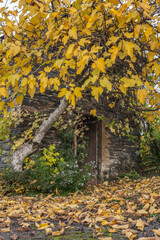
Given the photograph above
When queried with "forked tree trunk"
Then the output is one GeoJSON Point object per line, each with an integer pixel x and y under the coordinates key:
{"type": "Point", "coordinates": [26, 149]}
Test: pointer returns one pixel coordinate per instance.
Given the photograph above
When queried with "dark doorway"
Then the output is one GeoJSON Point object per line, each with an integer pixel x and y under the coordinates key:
{"type": "Point", "coordinates": [91, 134]}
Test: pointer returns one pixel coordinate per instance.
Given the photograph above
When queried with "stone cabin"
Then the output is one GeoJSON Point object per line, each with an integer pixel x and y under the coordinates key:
{"type": "Point", "coordinates": [111, 153]}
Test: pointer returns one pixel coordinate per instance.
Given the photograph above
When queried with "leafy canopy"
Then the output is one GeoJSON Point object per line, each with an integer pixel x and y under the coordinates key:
{"type": "Point", "coordinates": [94, 46]}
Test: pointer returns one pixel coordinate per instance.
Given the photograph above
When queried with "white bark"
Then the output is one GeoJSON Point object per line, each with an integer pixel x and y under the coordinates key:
{"type": "Point", "coordinates": [26, 149]}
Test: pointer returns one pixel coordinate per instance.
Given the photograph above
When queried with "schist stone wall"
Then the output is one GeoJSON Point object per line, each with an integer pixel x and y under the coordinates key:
{"type": "Point", "coordinates": [118, 154]}
{"type": "Point", "coordinates": [111, 153]}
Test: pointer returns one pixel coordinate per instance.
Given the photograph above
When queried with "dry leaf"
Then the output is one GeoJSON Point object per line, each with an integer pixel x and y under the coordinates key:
{"type": "Point", "coordinates": [105, 238]}
{"type": "Point", "coordinates": [48, 231]}
{"type": "Point", "coordinates": [112, 230]}
{"type": "Point", "coordinates": [23, 229]}
{"type": "Point", "coordinates": [105, 222]}
{"type": "Point", "coordinates": [156, 231]}
{"type": "Point", "coordinates": [126, 226]}
{"type": "Point", "coordinates": [25, 225]}
{"type": "Point", "coordinates": [140, 224]}
{"type": "Point", "coordinates": [14, 237]}
{"type": "Point", "coordinates": [43, 226]}
{"type": "Point", "coordinates": [5, 230]}
{"type": "Point", "coordinates": [58, 233]}
{"type": "Point", "coordinates": [147, 238]}
{"type": "Point", "coordinates": [142, 212]}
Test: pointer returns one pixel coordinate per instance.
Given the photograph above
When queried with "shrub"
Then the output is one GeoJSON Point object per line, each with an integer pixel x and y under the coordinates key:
{"type": "Point", "coordinates": [53, 168]}
{"type": "Point", "coordinates": [150, 147]}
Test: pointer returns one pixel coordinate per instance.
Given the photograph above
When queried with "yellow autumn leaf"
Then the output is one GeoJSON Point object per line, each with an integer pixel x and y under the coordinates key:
{"type": "Point", "coordinates": [100, 64]}
{"type": "Point", "coordinates": [8, 31]}
{"type": "Point", "coordinates": [2, 103]}
{"type": "Point", "coordinates": [71, 99]}
{"type": "Point", "coordinates": [31, 91]}
{"type": "Point", "coordinates": [112, 40]}
{"type": "Point", "coordinates": [151, 56]}
{"type": "Point", "coordinates": [111, 230]}
{"type": "Point", "coordinates": [140, 224]}
{"type": "Point", "coordinates": [123, 89]}
{"type": "Point", "coordinates": [66, 2]}
{"type": "Point", "coordinates": [3, 92]}
{"type": "Point", "coordinates": [77, 92]}
{"type": "Point", "coordinates": [10, 104]}
{"type": "Point", "coordinates": [148, 32]}
{"type": "Point", "coordinates": [104, 82]}
{"type": "Point", "coordinates": [124, 226]}
{"type": "Point", "coordinates": [55, 82]}
{"type": "Point", "coordinates": [128, 82]}
{"type": "Point", "coordinates": [5, 112]}
{"type": "Point", "coordinates": [128, 35]}
{"type": "Point", "coordinates": [3, 230]}
{"type": "Point", "coordinates": [105, 222]}
{"type": "Point", "coordinates": [65, 39]}
{"type": "Point", "coordinates": [114, 52]}
{"type": "Point", "coordinates": [47, 69]}
{"type": "Point", "coordinates": [19, 99]}
{"type": "Point", "coordinates": [92, 19]}
{"type": "Point", "coordinates": [141, 212]}
{"type": "Point", "coordinates": [43, 226]}
{"type": "Point", "coordinates": [24, 82]}
{"type": "Point", "coordinates": [72, 64]}
{"type": "Point", "coordinates": [70, 51]}
{"type": "Point", "coordinates": [128, 48]}
{"type": "Point", "coordinates": [145, 6]}
{"type": "Point", "coordinates": [156, 231]}
{"type": "Point", "coordinates": [105, 238]}
{"type": "Point", "coordinates": [58, 63]}
{"type": "Point", "coordinates": [73, 32]}
{"type": "Point", "coordinates": [93, 112]}
{"type": "Point", "coordinates": [137, 30]}
{"type": "Point", "coordinates": [48, 231]}
{"type": "Point", "coordinates": [82, 41]}
{"type": "Point", "coordinates": [58, 233]}
{"type": "Point", "coordinates": [81, 65]}
{"type": "Point", "coordinates": [62, 92]}
{"type": "Point", "coordinates": [147, 238]}
{"type": "Point", "coordinates": [141, 95]}
{"type": "Point", "coordinates": [96, 91]}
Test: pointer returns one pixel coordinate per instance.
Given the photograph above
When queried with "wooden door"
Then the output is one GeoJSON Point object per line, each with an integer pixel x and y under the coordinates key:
{"type": "Point", "coordinates": [91, 134]}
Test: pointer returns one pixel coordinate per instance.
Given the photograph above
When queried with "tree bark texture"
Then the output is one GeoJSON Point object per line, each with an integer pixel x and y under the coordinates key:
{"type": "Point", "coordinates": [26, 149]}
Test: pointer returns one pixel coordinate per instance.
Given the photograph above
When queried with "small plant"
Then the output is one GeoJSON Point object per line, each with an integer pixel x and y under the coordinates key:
{"type": "Point", "coordinates": [131, 175]}
{"type": "Point", "coordinates": [53, 168]}
{"type": "Point", "coordinates": [150, 147]}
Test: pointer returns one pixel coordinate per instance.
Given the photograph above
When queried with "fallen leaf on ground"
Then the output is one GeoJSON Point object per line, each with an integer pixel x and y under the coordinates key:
{"type": "Point", "coordinates": [140, 224]}
{"type": "Point", "coordinates": [43, 226]}
{"type": "Point", "coordinates": [58, 233]}
{"type": "Point", "coordinates": [105, 238]}
{"type": "Point", "coordinates": [23, 229]}
{"type": "Point", "coordinates": [48, 231]}
{"type": "Point", "coordinates": [5, 230]}
{"type": "Point", "coordinates": [147, 238]}
{"type": "Point", "coordinates": [156, 231]}
{"type": "Point", "coordinates": [121, 226]}
{"type": "Point", "coordinates": [14, 237]}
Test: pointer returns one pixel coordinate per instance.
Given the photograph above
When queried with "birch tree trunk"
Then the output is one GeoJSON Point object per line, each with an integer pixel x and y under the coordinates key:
{"type": "Point", "coordinates": [26, 149]}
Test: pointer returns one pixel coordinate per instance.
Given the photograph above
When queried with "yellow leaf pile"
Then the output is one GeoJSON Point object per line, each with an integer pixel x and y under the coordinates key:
{"type": "Point", "coordinates": [127, 207]}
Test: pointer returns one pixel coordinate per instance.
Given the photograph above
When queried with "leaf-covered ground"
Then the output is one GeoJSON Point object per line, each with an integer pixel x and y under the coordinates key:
{"type": "Point", "coordinates": [125, 209]}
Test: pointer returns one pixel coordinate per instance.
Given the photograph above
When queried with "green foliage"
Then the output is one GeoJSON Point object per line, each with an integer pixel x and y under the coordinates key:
{"type": "Point", "coordinates": [131, 175]}
{"type": "Point", "coordinates": [150, 147]}
{"type": "Point", "coordinates": [54, 169]}
{"type": "Point", "coordinates": [6, 122]}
